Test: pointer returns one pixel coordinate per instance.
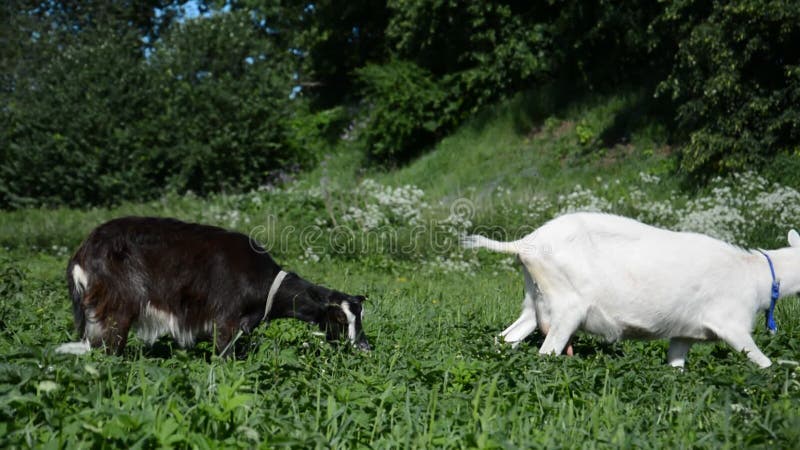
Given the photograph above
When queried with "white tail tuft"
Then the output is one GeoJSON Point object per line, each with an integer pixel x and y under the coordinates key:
{"type": "Point", "coordinates": [80, 278]}
{"type": "Point", "coordinates": [476, 241]}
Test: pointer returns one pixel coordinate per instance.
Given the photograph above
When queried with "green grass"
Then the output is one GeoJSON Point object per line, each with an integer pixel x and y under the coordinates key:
{"type": "Point", "coordinates": [436, 377]}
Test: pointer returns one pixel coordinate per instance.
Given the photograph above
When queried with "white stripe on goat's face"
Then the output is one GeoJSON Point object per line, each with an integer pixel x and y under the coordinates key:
{"type": "Point", "coordinates": [351, 322]}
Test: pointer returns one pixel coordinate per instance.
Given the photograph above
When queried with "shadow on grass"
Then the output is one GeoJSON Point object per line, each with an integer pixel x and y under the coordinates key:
{"type": "Point", "coordinates": [582, 345]}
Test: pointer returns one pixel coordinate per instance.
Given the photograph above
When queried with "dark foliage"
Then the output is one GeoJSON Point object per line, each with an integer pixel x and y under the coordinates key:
{"type": "Point", "coordinates": [105, 101]}
{"type": "Point", "coordinates": [735, 81]}
{"type": "Point", "coordinates": [93, 115]}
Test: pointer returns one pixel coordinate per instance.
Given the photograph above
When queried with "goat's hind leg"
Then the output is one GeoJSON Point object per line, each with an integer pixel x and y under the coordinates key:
{"type": "Point", "coordinates": [74, 348]}
{"type": "Point", "coordinates": [113, 338]}
{"type": "Point", "coordinates": [526, 323]}
{"type": "Point", "coordinates": [563, 324]}
{"type": "Point", "coordinates": [678, 349]}
{"type": "Point", "coordinates": [558, 337]}
{"type": "Point", "coordinates": [96, 334]}
{"type": "Point", "coordinates": [523, 326]}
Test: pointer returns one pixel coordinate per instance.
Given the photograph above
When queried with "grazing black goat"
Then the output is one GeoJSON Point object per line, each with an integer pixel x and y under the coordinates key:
{"type": "Point", "coordinates": [167, 277]}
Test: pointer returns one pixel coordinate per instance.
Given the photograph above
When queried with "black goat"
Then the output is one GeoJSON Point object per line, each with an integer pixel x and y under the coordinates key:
{"type": "Point", "coordinates": [167, 277]}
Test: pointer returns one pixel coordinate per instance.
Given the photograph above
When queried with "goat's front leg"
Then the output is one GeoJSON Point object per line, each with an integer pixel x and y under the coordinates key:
{"type": "Point", "coordinates": [224, 338]}
{"type": "Point", "coordinates": [744, 342]}
{"type": "Point", "coordinates": [114, 335]}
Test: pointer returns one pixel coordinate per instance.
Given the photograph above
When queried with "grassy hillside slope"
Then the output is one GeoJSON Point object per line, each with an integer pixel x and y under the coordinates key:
{"type": "Point", "coordinates": [531, 144]}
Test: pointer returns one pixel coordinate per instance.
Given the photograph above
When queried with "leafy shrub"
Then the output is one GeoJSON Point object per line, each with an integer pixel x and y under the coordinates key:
{"type": "Point", "coordinates": [314, 133]}
{"type": "Point", "coordinates": [732, 70]}
{"type": "Point", "coordinates": [11, 284]}
{"type": "Point", "coordinates": [480, 50]}
{"type": "Point", "coordinates": [11, 279]}
{"type": "Point", "coordinates": [66, 127]}
{"type": "Point", "coordinates": [600, 43]}
{"type": "Point", "coordinates": [735, 81]}
{"type": "Point", "coordinates": [207, 111]}
{"type": "Point", "coordinates": [450, 60]}
{"type": "Point", "coordinates": [403, 110]}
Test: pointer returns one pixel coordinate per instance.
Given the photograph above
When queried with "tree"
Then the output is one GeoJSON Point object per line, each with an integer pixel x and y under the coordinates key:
{"type": "Point", "coordinates": [97, 112]}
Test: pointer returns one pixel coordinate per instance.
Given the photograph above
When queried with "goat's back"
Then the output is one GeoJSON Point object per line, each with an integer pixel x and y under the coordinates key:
{"type": "Point", "coordinates": [172, 265]}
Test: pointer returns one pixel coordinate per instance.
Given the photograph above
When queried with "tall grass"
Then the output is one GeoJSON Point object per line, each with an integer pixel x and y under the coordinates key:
{"type": "Point", "coordinates": [436, 378]}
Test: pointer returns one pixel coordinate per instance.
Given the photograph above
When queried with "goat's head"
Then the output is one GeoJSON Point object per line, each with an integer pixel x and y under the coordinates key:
{"type": "Point", "coordinates": [343, 319]}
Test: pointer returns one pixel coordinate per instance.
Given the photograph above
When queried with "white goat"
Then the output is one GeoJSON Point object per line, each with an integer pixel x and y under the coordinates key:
{"type": "Point", "coordinates": [619, 278]}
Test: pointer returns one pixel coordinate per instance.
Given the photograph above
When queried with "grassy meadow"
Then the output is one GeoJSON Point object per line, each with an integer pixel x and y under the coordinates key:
{"type": "Point", "coordinates": [436, 377]}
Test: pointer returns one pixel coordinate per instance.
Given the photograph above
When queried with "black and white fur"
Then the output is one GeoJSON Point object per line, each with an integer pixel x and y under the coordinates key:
{"type": "Point", "coordinates": [188, 281]}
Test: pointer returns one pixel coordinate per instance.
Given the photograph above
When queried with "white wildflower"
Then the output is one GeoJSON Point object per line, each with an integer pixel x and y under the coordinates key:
{"type": "Point", "coordinates": [582, 199]}
{"type": "Point", "coordinates": [648, 178]}
{"type": "Point", "coordinates": [384, 205]}
{"type": "Point", "coordinates": [309, 256]}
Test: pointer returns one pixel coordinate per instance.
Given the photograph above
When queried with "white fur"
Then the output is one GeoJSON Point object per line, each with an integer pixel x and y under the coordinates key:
{"type": "Point", "coordinates": [80, 278]}
{"type": "Point", "coordinates": [94, 328]}
{"type": "Point", "coordinates": [154, 323]}
{"type": "Point", "coordinates": [351, 322]}
{"type": "Point", "coordinates": [619, 278]}
{"type": "Point", "coordinates": [74, 348]}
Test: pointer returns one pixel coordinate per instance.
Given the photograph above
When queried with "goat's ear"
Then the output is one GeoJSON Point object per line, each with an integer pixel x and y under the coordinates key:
{"type": "Point", "coordinates": [361, 298]}
{"type": "Point", "coordinates": [794, 239]}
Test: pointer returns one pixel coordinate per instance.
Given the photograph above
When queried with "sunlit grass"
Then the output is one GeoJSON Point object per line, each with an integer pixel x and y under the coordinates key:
{"type": "Point", "coordinates": [436, 378]}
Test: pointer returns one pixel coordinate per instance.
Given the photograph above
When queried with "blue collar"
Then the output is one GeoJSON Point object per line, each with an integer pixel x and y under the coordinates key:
{"type": "Point", "coordinates": [776, 292]}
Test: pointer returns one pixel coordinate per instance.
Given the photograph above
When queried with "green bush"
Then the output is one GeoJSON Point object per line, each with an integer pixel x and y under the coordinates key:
{"type": "Point", "coordinates": [472, 54]}
{"type": "Point", "coordinates": [208, 110]}
{"type": "Point", "coordinates": [480, 50]}
{"type": "Point", "coordinates": [226, 117]}
{"type": "Point", "coordinates": [735, 81]}
{"type": "Point", "coordinates": [64, 125]}
{"type": "Point", "coordinates": [402, 110]}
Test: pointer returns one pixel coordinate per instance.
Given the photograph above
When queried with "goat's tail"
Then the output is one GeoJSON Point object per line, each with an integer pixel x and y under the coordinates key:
{"type": "Point", "coordinates": [77, 281]}
{"type": "Point", "coordinates": [477, 241]}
